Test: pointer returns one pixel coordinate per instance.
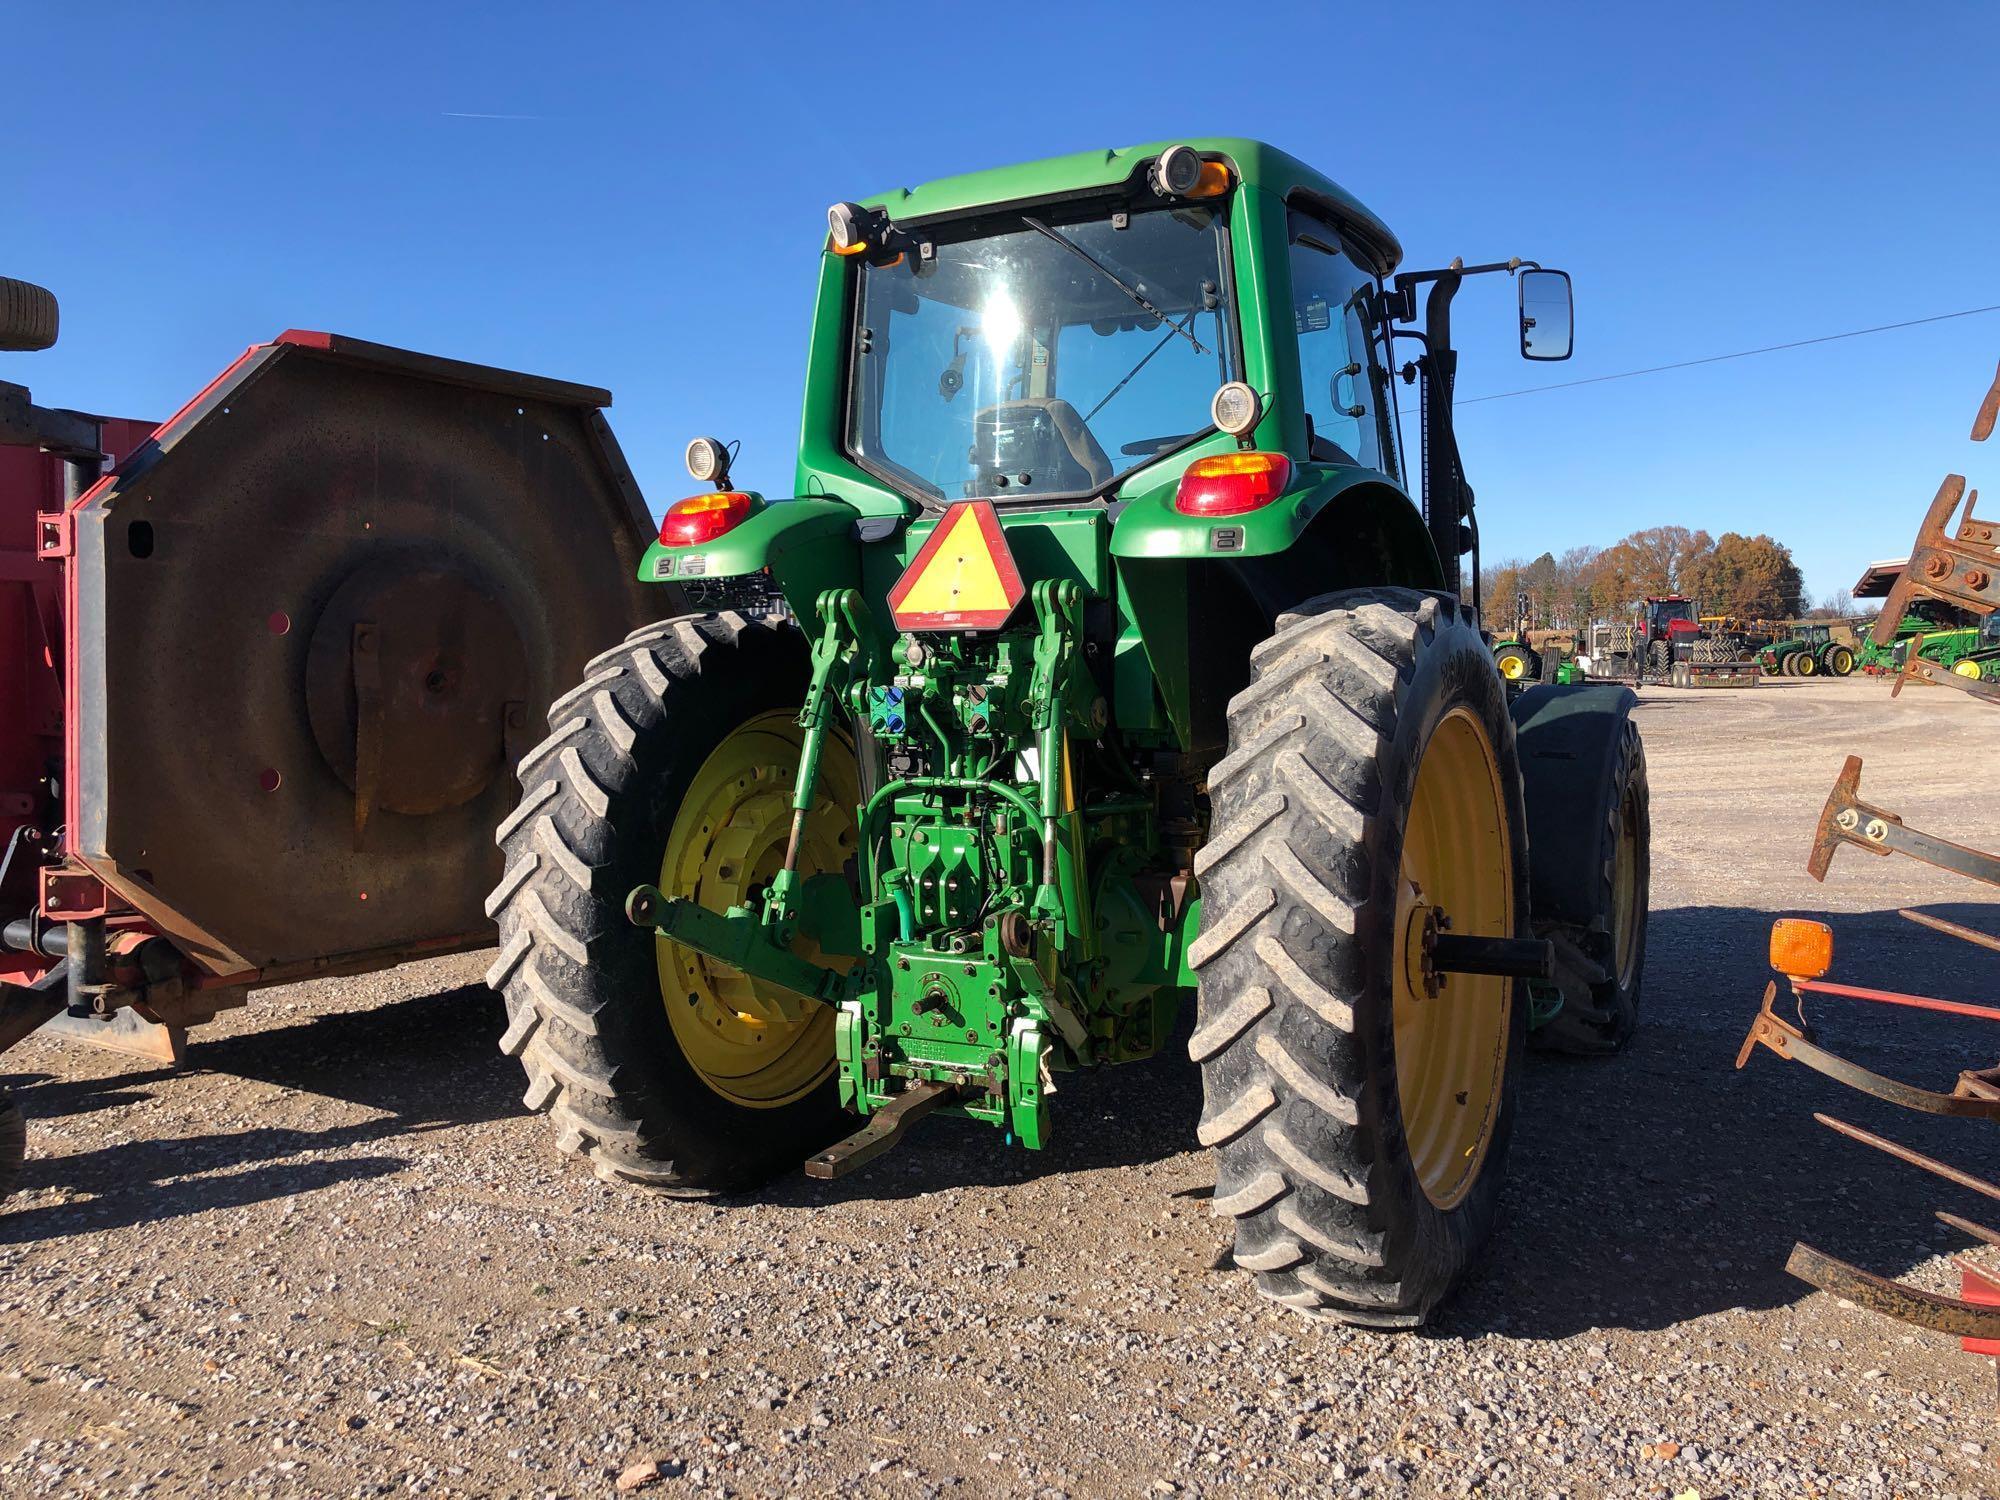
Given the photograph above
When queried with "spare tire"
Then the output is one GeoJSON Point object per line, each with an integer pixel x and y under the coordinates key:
{"type": "Point", "coordinates": [28, 315]}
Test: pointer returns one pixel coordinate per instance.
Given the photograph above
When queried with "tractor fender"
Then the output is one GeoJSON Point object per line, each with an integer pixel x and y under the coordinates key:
{"type": "Point", "coordinates": [1150, 527]}
{"type": "Point", "coordinates": [808, 545]}
{"type": "Point", "coordinates": [1569, 740]}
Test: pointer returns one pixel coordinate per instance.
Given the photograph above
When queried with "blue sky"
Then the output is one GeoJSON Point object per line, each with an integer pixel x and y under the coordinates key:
{"type": "Point", "coordinates": [634, 197]}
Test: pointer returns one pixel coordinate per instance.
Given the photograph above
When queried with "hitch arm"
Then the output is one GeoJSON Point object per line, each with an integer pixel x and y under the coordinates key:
{"type": "Point", "coordinates": [738, 939]}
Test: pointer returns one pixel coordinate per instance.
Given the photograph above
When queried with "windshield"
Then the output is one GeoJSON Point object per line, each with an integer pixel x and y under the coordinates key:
{"type": "Point", "coordinates": [1047, 357]}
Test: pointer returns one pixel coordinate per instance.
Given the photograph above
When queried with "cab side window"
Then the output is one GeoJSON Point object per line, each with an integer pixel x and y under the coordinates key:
{"type": "Point", "coordinates": [1328, 293]}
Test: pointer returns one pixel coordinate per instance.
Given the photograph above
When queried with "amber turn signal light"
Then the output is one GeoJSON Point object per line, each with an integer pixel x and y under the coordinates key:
{"type": "Point", "coordinates": [1801, 949]}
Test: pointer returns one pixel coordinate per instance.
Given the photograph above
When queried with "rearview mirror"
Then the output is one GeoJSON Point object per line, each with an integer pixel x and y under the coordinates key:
{"type": "Point", "coordinates": [1546, 314]}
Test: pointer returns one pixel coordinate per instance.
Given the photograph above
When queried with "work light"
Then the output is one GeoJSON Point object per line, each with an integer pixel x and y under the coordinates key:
{"type": "Point", "coordinates": [1178, 171]}
{"type": "Point", "coordinates": [708, 461]}
{"type": "Point", "coordinates": [847, 225]}
{"type": "Point", "coordinates": [1235, 409]}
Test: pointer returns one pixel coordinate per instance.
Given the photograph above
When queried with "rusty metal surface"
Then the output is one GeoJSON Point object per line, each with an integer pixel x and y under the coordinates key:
{"type": "Point", "coordinates": [884, 1129]}
{"type": "Point", "coordinates": [1964, 573]}
{"type": "Point", "coordinates": [1967, 1227]}
{"type": "Point", "coordinates": [1895, 1299]}
{"type": "Point", "coordinates": [124, 1032]}
{"type": "Point", "coordinates": [1774, 1033]}
{"type": "Point", "coordinates": [1902, 1153]}
{"type": "Point", "coordinates": [1846, 819]}
{"type": "Point", "coordinates": [1952, 929]}
{"type": "Point", "coordinates": [1922, 670]}
{"type": "Point", "coordinates": [1989, 410]}
{"type": "Point", "coordinates": [483, 523]}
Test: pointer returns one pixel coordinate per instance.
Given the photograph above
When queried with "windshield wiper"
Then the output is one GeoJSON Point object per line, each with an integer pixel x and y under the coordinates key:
{"type": "Point", "coordinates": [1111, 276]}
{"type": "Point", "coordinates": [1147, 359]}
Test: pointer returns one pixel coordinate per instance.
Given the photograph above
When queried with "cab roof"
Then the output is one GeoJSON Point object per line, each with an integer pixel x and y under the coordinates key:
{"type": "Point", "coordinates": [1257, 164]}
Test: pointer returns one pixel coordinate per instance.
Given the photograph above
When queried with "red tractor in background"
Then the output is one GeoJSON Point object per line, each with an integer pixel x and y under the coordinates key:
{"type": "Point", "coordinates": [1665, 642]}
{"type": "Point", "coordinates": [1668, 627]}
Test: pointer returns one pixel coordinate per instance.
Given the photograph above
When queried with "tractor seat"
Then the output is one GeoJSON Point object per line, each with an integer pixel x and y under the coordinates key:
{"type": "Point", "coordinates": [1040, 436]}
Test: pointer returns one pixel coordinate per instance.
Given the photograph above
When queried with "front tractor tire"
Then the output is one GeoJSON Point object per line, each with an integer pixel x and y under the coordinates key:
{"type": "Point", "coordinates": [1360, 1121]}
{"type": "Point", "coordinates": [1518, 664]}
{"type": "Point", "coordinates": [670, 764]}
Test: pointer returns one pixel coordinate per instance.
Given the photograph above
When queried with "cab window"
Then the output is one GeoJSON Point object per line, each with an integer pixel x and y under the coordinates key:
{"type": "Point", "coordinates": [1329, 295]}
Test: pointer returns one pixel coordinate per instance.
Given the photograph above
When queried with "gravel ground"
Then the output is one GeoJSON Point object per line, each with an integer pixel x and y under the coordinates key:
{"type": "Point", "coordinates": [334, 1256]}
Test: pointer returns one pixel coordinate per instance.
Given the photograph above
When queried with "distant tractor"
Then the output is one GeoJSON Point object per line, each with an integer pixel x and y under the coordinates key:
{"type": "Point", "coordinates": [1668, 625]}
{"type": "Point", "coordinates": [1530, 654]}
{"type": "Point", "coordinates": [1812, 649]}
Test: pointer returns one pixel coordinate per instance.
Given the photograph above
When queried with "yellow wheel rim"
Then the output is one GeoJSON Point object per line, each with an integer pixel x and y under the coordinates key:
{"type": "Point", "coordinates": [1513, 666]}
{"type": "Point", "coordinates": [1966, 668]}
{"type": "Point", "coordinates": [726, 844]}
{"type": "Point", "coordinates": [1451, 1048]}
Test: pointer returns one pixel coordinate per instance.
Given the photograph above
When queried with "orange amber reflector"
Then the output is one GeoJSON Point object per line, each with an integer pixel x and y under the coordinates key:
{"type": "Point", "coordinates": [1228, 484]}
{"type": "Point", "coordinates": [1213, 182]}
{"type": "Point", "coordinates": [1801, 949]}
{"type": "Point", "coordinates": [703, 518]}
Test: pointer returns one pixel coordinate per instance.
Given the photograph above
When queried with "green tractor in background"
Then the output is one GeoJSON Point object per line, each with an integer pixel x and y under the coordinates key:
{"type": "Point", "coordinates": [1811, 649]}
{"type": "Point", "coordinates": [1968, 650]}
{"type": "Point", "coordinates": [1940, 633]}
{"type": "Point", "coordinates": [1101, 660]}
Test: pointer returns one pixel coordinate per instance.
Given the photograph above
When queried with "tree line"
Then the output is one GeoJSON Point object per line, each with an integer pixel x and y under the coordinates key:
{"type": "Point", "coordinates": [1753, 577]}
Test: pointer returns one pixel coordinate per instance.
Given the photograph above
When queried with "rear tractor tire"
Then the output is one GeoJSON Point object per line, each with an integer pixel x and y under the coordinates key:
{"type": "Point", "coordinates": [671, 764]}
{"type": "Point", "coordinates": [1837, 661]}
{"type": "Point", "coordinates": [1359, 1119]}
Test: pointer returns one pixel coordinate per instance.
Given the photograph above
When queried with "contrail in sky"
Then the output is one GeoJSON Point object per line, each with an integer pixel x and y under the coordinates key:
{"type": "Point", "coordinates": [462, 114]}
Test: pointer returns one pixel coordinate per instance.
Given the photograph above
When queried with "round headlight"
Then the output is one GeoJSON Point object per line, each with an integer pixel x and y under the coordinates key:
{"type": "Point", "coordinates": [708, 460]}
{"type": "Point", "coordinates": [1178, 171]}
{"type": "Point", "coordinates": [1235, 409]}
{"type": "Point", "coordinates": [847, 225]}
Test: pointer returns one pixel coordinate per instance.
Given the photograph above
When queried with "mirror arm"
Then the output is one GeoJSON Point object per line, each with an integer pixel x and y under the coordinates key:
{"type": "Point", "coordinates": [1447, 501]}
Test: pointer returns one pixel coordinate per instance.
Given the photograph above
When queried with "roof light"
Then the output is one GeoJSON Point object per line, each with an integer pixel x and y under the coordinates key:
{"type": "Point", "coordinates": [1177, 173]}
{"type": "Point", "coordinates": [847, 224]}
{"type": "Point", "coordinates": [703, 518]}
{"type": "Point", "coordinates": [1801, 949]}
{"type": "Point", "coordinates": [1228, 484]}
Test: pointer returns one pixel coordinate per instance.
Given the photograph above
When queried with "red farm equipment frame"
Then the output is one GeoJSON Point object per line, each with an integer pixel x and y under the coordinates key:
{"type": "Point", "coordinates": [265, 670]}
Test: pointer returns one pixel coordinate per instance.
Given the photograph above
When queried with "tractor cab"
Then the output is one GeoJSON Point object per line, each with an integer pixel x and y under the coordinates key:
{"type": "Point", "coordinates": [1668, 617]}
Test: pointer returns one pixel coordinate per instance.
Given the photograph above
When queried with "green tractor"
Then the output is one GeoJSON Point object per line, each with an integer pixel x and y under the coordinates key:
{"type": "Point", "coordinates": [1100, 661]}
{"type": "Point", "coordinates": [1968, 650]}
{"type": "Point", "coordinates": [1811, 649]}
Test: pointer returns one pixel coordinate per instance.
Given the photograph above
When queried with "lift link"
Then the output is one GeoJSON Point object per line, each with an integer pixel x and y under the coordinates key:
{"type": "Point", "coordinates": [1057, 604]}
{"type": "Point", "coordinates": [738, 939]}
{"type": "Point", "coordinates": [843, 651]}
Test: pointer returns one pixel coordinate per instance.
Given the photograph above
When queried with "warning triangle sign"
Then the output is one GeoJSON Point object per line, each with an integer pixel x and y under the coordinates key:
{"type": "Point", "coordinates": [963, 577]}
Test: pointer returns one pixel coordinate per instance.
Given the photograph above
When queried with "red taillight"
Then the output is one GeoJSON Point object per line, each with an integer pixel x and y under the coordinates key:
{"type": "Point", "coordinates": [703, 518]}
{"type": "Point", "coordinates": [1229, 484]}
